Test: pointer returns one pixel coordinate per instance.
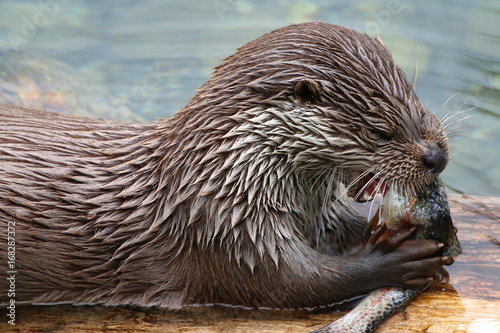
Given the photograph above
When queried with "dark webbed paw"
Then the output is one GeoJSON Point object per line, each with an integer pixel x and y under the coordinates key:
{"type": "Point", "coordinates": [394, 259]}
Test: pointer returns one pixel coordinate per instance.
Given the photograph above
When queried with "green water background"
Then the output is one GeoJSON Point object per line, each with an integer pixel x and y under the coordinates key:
{"type": "Point", "coordinates": [454, 46]}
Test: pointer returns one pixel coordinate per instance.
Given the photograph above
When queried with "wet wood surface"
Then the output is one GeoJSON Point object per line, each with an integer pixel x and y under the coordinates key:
{"type": "Point", "coordinates": [469, 302]}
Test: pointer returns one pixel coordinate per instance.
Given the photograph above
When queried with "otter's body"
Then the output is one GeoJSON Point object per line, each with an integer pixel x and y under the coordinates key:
{"type": "Point", "coordinates": [239, 198]}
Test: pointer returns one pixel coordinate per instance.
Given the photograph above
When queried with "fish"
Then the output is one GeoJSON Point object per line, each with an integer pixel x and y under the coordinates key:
{"type": "Point", "coordinates": [429, 211]}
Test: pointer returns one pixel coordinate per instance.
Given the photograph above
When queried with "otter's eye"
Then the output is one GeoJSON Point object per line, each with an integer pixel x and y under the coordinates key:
{"type": "Point", "coordinates": [384, 136]}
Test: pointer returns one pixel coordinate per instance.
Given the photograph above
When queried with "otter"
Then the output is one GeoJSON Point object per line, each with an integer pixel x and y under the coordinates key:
{"type": "Point", "coordinates": [243, 197]}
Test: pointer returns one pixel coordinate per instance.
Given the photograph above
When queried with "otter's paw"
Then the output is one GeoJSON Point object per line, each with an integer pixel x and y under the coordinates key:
{"type": "Point", "coordinates": [393, 259]}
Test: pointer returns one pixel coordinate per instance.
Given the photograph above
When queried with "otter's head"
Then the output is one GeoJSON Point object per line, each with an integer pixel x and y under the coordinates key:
{"type": "Point", "coordinates": [330, 99]}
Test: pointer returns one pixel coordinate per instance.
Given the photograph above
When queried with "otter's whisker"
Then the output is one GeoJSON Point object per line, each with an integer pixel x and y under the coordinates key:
{"type": "Point", "coordinates": [317, 177]}
{"type": "Point", "coordinates": [317, 174]}
{"type": "Point", "coordinates": [415, 72]}
{"type": "Point", "coordinates": [368, 183]}
{"type": "Point", "coordinates": [329, 188]}
{"type": "Point", "coordinates": [345, 175]}
{"type": "Point", "coordinates": [407, 196]}
{"type": "Point", "coordinates": [378, 189]}
{"type": "Point", "coordinates": [444, 105]}
{"type": "Point", "coordinates": [412, 190]}
{"type": "Point", "coordinates": [457, 121]}
{"type": "Point", "coordinates": [342, 177]}
{"type": "Point", "coordinates": [359, 177]}
{"type": "Point", "coordinates": [451, 110]}
{"type": "Point", "coordinates": [456, 134]}
{"type": "Point", "coordinates": [326, 180]}
{"type": "Point", "coordinates": [452, 114]}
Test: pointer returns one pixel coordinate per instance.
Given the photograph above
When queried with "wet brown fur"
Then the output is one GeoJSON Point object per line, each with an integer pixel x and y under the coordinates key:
{"type": "Point", "coordinates": [239, 198]}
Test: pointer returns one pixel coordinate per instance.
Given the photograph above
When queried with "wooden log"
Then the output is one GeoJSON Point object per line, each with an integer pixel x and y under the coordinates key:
{"type": "Point", "coordinates": [469, 302]}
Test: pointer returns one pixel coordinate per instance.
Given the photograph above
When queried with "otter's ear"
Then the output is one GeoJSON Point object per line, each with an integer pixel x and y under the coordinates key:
{"type": "Point", "coordinates": [308, 91]}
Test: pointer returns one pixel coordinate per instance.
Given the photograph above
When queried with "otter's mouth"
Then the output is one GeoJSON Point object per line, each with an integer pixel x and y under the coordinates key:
{"type": "Point", "coordinates": [367, 187]}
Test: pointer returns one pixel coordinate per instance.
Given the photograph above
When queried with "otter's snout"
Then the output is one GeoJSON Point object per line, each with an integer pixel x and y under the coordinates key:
{"type": "Point", "coordinates": [434, 158]}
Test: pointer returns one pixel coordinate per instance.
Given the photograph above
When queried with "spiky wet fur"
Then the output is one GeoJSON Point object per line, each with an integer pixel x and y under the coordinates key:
{"type": "Point", "coordinates": [239, 198]}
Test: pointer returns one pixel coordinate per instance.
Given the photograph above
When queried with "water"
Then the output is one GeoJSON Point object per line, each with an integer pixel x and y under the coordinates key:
{"type": "Point", "coordinates": [120, 44]}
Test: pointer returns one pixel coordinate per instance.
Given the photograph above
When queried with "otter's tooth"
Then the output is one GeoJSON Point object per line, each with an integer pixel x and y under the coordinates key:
{"type": "Point", "coordinates": [366, 196]}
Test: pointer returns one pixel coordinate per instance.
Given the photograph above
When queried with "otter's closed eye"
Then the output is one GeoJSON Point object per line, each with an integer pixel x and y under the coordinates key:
{"type": "Point", "coordinates": [384, 136]}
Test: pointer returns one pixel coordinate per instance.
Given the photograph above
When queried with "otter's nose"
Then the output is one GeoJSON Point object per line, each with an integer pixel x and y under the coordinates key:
{"type": "Point", "coordinates": [434, 159]}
